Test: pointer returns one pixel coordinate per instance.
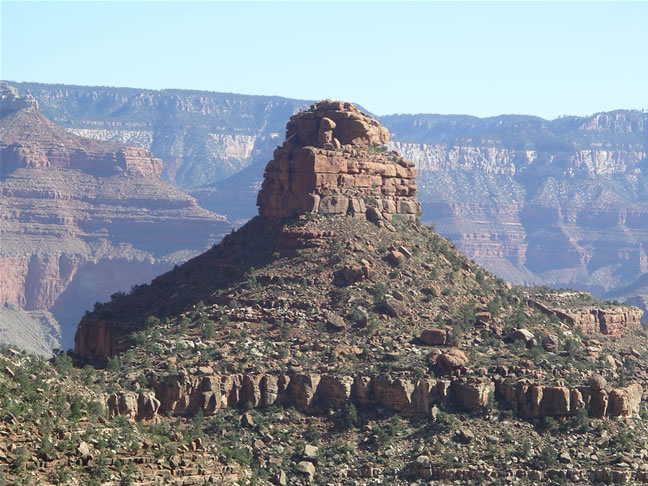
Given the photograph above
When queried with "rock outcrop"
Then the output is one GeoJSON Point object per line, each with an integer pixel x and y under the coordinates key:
{"type": "Point", "coordinates": [333, 162]}
{"type": "Point", "coordinates": [612, 321]}
{"type": "Point", "coordinates": [82, 219]}
{"type": "Point", "coordinates": [313, 393]}
{"type": "Point", "coordinates": [532, 400]}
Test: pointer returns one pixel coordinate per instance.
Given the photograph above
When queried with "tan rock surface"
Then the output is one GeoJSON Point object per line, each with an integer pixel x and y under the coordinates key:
{"type": "Point", "coordinates": [332, 162]}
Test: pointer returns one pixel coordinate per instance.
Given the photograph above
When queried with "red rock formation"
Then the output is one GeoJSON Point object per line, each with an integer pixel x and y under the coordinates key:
{"type": "Point", "coordinates": [332, 162]}
{"type": "Point", "coordinates": [536, 400]}
{"type": "Point", "coordinates": [29, 140]}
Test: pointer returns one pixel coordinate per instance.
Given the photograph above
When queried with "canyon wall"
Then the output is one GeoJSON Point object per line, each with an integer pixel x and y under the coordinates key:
{"type": "Point", "coordinates": [202, 136]}
{"type": "Point", "coordinates": [561, 202]}
{"type": "Point", "coordinates": [81, 220]}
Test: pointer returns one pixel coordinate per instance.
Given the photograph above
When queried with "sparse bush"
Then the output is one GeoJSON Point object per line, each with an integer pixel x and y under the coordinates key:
{"type": "Point", "coordinates": [549, 456]}
{"type": "Point", "coordinates": [349, 416]}
{"type": "Point", "coordinates": [209, 330]}
{"type": "Point", "coordinates": [63, 364]}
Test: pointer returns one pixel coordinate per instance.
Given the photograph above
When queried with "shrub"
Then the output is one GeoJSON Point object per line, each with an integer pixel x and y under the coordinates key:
{"type": "Point", "coordinates": [63, 364]}
{"type": "Point", "coordinates": [152, 321]}
{"type": "Point", "coordinates": [549, 423]}
{"type": "Point", "coordinates": [581, 421]}
{"type": "Point", "coordinates": [209, 331]}
{"type": "Point", "coordinates": [549, 456]}
{"type": "Point", "coordinates": [349, 416]}
{"type": "Point", "coordinates": [236, 455]}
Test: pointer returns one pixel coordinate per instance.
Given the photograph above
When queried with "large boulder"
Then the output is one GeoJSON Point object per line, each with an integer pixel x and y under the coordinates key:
{"type": "Point", "coordinates": [452, 360]}
{"type": "Point", "coordinates": [434, 337]}
{"type": "Point", "coordinates": [624, 402]}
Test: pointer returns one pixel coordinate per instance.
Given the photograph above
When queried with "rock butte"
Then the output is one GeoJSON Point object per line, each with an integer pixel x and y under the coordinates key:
{"type": "Point", "coordinates": [29, 140]}
{"type": "Point", "coordinates": [333, 162]}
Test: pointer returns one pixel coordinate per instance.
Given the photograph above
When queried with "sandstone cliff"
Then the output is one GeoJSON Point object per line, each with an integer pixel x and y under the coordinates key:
{"type": "Point", "coordinates": [83, 219]}
{"type": "Point", "coordinates": [332, 162]}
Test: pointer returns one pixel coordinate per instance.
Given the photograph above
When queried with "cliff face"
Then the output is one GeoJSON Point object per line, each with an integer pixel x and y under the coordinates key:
{"type": "Point", "coordinates": [562, 202]}
{"type": "Point", "coordinates": [82, 219]}
{"type": "Point", "coordinates": [201, 136]}
{"type": "Point", "coordinates": [332, 163]}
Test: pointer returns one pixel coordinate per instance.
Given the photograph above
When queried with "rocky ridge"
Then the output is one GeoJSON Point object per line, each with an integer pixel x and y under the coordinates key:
{"type": "Point", "coordinates": [82, 219]}
{"type": "Point", "coordinates": [202, 137]}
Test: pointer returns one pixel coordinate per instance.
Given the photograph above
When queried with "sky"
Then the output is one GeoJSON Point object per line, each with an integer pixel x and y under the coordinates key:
{"type": "Point", "coordinates": [479, 58]}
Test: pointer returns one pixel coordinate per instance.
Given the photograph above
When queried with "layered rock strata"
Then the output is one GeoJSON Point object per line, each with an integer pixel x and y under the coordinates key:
{"type": "Point", "coordinates": [201, 136]}
{"type": "Point", "coordinates": [314, 393]}
{"type": "Point", "coordinates": [82, 219]}
{"type": "Point", "coordinates": [536, 201]}
{"type": "Point", "coordinates": [333, 162]}
{"type": "Point", "coordinates": [613, 321]}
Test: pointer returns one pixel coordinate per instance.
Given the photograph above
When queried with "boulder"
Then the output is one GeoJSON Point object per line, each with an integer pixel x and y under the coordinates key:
{"type": "Point", "coordinates": [307, 468]}
{"type": "Point", "coordinates": [353, 273]}
{"type": "Point", "coordinates": [464, 435]}
{"type": "Point", "coordinates": [311, 452]}
{"type": "Point", "coordinates": [597, 382]}
{"type": "Point", "coordinates": [395, 257]}
{"type": "Point", "coordinates": [394, 307]}
{"type": "Point", "coordinates": [434, 337]}
{"type": "Point", "coordinates": [522, 335]}
{"type": "Point", "coordinates": [550, 342]}
{"type": "Point", "coordinates": [335, 323]}
{"type": "Point", "coordinates": [452, 360]}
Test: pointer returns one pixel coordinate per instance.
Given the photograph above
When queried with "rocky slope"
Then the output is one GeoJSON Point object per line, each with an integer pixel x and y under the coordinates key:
{"type": "Point", "coordinates": [82, 219]}
{"type": "Point", "coordinates": [559, 202]}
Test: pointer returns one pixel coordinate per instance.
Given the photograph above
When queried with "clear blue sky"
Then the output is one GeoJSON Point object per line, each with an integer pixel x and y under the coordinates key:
{"type": "Point", "coordinates": [546, 59]}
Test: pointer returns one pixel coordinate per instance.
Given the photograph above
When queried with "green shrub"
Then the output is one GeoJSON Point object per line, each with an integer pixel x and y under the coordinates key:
{"type": "Point", "coordinates": [63, 364]}
{"type": "Point", "coordinates": [549, 456]}
{"type": "Point", "coordinates": [349, 416]}
{"type": "Point", "coordinates": [236, 455]}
